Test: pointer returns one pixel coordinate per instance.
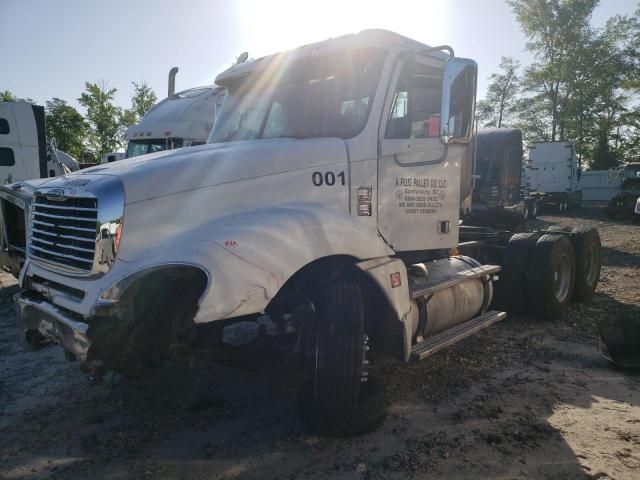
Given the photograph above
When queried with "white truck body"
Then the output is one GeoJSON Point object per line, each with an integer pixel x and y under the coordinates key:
{"type": "Point", "coordinates": [553, 174]}
{"type": "Point", "coordinates": [552, 167]}
{"type": "Point", "coordinates": [182, 119]}
{"type": "Point", "coordinates": [268, 213]}
{"type": "Point", "coordinates": [24, 153]}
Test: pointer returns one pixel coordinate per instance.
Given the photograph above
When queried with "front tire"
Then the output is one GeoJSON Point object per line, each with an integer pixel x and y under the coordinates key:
{"type": "Point", "coordinates": [338, 399]}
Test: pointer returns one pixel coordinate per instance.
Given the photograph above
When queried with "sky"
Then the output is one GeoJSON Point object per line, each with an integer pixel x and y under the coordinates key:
{"type": "Point", "coordinates": [51, 48]}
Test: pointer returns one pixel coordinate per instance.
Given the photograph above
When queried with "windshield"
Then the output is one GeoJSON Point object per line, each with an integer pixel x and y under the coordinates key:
{"type": "Point", "coordinates": [319, 96]}
{"type": "Point", "coordinates": [142, 147]}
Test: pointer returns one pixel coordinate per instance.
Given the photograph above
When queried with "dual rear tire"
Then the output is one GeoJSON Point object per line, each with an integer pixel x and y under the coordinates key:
{"type": "Point", "coordinates": [543, 273]}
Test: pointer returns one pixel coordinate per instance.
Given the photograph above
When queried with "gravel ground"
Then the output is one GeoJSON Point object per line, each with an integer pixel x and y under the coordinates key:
{"type": "Point", "coordinates": [523, 399]}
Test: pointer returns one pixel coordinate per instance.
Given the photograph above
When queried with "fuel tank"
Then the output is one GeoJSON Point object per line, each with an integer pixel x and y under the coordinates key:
{"type": "Point", "coordinates": [453, 305]}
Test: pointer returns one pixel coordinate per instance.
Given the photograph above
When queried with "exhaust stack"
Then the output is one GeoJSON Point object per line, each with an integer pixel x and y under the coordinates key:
{"type": "Point", "coordinates": [172, 81]}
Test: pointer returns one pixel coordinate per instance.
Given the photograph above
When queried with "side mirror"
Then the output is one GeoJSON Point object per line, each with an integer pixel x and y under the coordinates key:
{"type": "Point", "coordinates": [458, 99]}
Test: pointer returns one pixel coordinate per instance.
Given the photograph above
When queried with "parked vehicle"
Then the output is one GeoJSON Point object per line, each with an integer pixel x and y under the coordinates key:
{"type": "Point", "coordinates": [112, 157]}
{"type": "Point", "coordinates": [499, 200]}
{"type": "Point", "coordinates": [182, 119]}
{"type": "Point", "coordinates": [24, 151]}
{"type": "Point", "coordinates": [624, 204]}
{"type": "Point", "coordinates": [324, 212]}
{"type": "Point", "coordinates": [553, 175]}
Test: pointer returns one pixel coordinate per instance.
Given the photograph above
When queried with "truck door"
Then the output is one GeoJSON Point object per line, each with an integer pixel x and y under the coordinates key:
{"type": "Point", "coordinates": [418, 174]}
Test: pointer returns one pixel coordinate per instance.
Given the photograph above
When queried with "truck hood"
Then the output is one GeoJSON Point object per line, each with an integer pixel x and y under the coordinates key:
{"type": "Point", "coordinates": [170, 172]}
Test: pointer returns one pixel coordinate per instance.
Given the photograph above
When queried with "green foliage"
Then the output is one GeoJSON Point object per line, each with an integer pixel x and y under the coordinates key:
{"type": "Point", "coordinates": [582, 85]}
{"type": "Point", "coordinates": [103, 117]}
{"type": "Point", "coordinates": [7, 96]}
{"type": "Point", "coordinates": [143, 99]}
{"type": "Point", "coordinates": [67, 126]}
{"type": "Point", "coordinates": [499, 106]}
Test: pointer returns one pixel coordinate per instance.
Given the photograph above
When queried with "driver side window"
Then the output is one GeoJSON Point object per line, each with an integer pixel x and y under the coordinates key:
{"type": "Point", "coordinates": [416, 103]}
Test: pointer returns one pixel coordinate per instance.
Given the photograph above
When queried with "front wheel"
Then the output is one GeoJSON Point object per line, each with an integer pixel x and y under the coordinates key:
{"type": "Point", "coordinates": [339, 398]}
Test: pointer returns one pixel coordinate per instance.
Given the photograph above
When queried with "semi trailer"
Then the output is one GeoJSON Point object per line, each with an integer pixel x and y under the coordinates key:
{"type": "Point", "coordinates": [324, 211]}
{"type": "Point", "coordinates": [553, 175]}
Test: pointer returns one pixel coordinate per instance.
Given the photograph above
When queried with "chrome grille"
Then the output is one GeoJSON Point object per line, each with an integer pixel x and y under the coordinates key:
{"type": "Point", "coordinates": [63, 231]}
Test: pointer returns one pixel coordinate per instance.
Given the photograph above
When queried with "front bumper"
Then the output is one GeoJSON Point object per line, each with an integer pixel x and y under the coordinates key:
{"type": "Point", "coordinates": [53, 323]}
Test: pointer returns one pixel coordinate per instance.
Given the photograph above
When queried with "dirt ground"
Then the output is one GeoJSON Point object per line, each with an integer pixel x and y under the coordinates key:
{"type": "Point", "coordinates": [523, 399]}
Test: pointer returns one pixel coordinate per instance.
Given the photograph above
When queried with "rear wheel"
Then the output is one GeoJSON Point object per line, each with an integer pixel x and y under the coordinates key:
{"type": "Point", "coordinates": [339, 398]}
{"type": "Point", "coordinates": [551, 276]}
{"type": "Point", "coordinates": [511, 292]}
{"type": "Point", "coordinates": [588, 248]}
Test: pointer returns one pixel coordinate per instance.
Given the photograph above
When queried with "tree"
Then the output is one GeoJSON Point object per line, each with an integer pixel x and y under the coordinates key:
{"type": "Point", "coordinates": [141, 102]}
{"type": "Point", "coordinates": [67, 126]}
{"type": "Point", "coordinates": [143, 99]}
{"type": "Point", "coordinates": [555, 30]}
{"type": "Point", "coordinates": [7, 96]}
{"type": "Point", "coordinates": [498, 107]}
{"type": "Point", "coordinates": [102, 116]}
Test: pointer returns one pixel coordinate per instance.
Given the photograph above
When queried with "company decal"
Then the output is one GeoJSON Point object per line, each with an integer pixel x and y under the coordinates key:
{"type": "Point", "coordinates": [77, 183]}
{"type": "Point", "coordinates": [420, 196]}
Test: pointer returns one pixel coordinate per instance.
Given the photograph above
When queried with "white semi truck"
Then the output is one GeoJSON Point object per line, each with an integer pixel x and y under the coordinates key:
{"type": "Point", "coordinates": [326, 205]}
{"type": "Point", "coordinates": [182, 119]}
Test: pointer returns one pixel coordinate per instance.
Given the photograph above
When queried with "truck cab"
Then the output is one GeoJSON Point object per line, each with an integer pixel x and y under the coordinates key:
{"type": "Point", "coordinates": [182, 119]}
{"type": "Point", "coordinates": [323, 209]}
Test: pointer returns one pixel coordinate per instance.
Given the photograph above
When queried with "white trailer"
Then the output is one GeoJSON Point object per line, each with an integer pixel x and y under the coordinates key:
{"type": "Point", "coordinates": [24, 151]}
{"type": "Point", "coordinates": [325, 205]}
{"type": "Point", "coordinates": [553, 175]}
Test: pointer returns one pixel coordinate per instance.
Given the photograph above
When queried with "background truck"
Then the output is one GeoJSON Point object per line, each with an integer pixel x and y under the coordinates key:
{"type": "Point", "coordinates": [623, 205]}
{"type": "Point", "coordinates": [500, 198]}
{"type": "Point", "coordinates": [182, 119]}
{"type": "Point", "coordinates": [24, 151]}
{"type": "Point", "coordinates": [323, 215]}
{"type": "Point", "coordinates": [553, 175]}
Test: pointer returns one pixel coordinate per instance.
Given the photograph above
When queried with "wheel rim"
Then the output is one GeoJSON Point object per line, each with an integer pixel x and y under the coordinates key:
{"type": "Point", "coordinates": [526, 212]}
{"type": "Point", "coordinates": [591, 263]}
{"type": "Point", "coordinates": [562, 278]}
{"type": "Point", "coordinates": [535, 208]}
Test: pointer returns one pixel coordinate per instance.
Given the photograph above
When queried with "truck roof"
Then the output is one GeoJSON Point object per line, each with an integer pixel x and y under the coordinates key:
{"type": "Point", "coordinates": [186, 114]}
{"type": "Point", "coordinates": [377, 38]}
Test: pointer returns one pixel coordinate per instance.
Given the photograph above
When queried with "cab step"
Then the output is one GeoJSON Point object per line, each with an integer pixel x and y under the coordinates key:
{"type": "Point", "coordinates": [420, 286]}
{"type": "Point", "coordinates": [444, 339]}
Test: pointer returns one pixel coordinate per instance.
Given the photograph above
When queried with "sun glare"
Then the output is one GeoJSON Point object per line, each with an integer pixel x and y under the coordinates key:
{"type": "Point", "coordinates": [269, 27]}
